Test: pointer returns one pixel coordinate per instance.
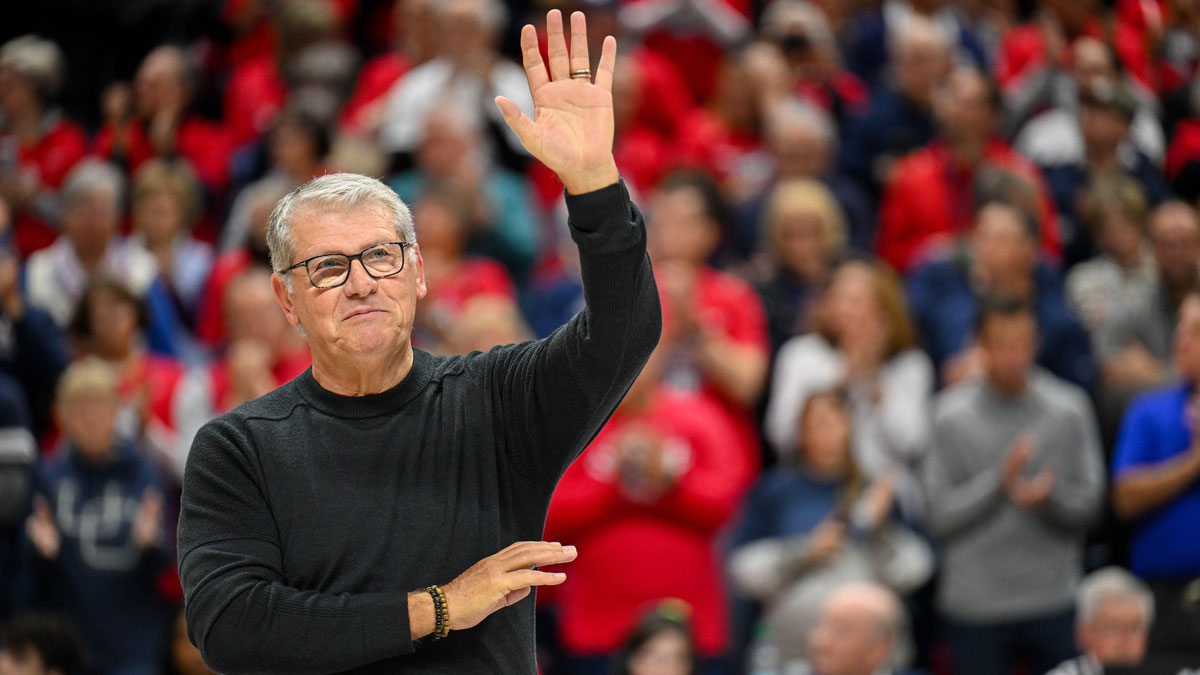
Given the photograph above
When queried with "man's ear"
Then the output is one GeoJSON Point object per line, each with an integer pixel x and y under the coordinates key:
{"type": "Point", "coordinates": [284, 296]}
{"type": "Point", "coordinates": [419, 268]}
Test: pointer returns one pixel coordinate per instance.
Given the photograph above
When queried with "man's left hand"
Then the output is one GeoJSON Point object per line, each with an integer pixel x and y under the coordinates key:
{"type": "Point", "coordinates": [572, 127]}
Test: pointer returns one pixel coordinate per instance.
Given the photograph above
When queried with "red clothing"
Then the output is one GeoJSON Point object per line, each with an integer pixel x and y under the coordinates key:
{"type": "Point", "coordinates": [929, 202]}
{"type": "Point", "coordinates": [210, 317]}
{"type": "Point", "coordinates": [696, 55]}
{"type": "Point", "coordinates": [707, 142]}
{"type": "Point", "coordinates": [156, 378]}
{"type": "Point", "coordinates": [283, 370]}
{"type": "Point", "coordinates": [474, 277]}
{"type": "Point", "coordinates": [375, 80]}
{"type": "Point", "coordinates": [634, 552]}
{"type": "Point", "coordinates": [255, 94]}
{"type": "Point", "coordinates": [1023, 51]}
{"type": "Point", "coordinates": [51, 158]}
{"type": "Point", "coordinates": [844, 87]}
{"type": "Point", "coordinates": [730, 306]}
{"type": "Point", "coordinates": [206, 146]}
{"type": "Point", "coordinates": [663, 96]}
{"type": "Point", "coordinates": [1184, 148]}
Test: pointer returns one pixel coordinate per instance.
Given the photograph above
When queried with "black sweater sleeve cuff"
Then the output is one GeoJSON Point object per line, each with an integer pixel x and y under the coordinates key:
{"type": "Point", "coordinates": [604, 219]}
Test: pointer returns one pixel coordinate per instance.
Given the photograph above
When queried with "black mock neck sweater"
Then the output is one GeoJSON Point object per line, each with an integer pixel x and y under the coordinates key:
{"type": "Point", "coordinates": [307, 517]}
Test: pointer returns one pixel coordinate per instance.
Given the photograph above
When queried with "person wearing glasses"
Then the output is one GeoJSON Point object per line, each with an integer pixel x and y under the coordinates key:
{"type": "Point", "coordinates": [381, 511]}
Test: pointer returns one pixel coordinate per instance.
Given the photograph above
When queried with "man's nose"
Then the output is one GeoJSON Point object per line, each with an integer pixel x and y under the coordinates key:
{"type": "Point", "coordinates": [358, 281]}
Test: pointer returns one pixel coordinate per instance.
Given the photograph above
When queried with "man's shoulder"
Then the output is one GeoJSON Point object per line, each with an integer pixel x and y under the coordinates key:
{"type": "Point", "coordinates": [956, 400]}
{"type": "Point", "coordinates": [1058, 394]}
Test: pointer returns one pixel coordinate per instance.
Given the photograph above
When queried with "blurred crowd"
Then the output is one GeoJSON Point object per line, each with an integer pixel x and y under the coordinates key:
{"type": "Point", "coordinates": [926, 395]}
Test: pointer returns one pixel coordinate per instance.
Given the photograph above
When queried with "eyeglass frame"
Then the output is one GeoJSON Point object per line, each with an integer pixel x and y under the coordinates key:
{"type": "Point", "coordinates": [404, 245]}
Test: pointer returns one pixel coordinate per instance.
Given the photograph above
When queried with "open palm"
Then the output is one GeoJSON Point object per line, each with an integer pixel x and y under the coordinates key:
{"type": "Point", "coordinates": [572, 127]}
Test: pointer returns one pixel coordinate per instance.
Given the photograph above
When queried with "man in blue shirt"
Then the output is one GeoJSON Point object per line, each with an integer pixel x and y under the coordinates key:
{"type": "Point", "coordinates": [1156, 486]}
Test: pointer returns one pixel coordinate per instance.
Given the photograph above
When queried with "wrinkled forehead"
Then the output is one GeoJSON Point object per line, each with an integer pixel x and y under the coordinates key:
{"type": "Point", "coordinates": [313, 219]}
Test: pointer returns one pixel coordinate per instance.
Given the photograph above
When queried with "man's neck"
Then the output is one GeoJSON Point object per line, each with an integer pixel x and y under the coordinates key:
{"type": "Point", "coordinates": [363, 376]}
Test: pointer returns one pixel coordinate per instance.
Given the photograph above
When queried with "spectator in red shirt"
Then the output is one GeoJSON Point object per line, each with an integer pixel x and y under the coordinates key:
{"type": "Point", "coordinates": [724, 138]}
{"type": "Point", "coordinates": [258, 88]}
{"type": "Point", "coordinates": [721, 346]}
{"type": "Point", "coordinates": [415, 41]}
{"type": "Point", "coordinates": [38, 147]}
{"type": "Point", "coordinates": [110, 323]}
{"type": "Point", "coordinates": [928, 204]}
{"type": "Point", "coordinates": [693, 34]}
{"type": "Point", "coordinates": [161, 123]}
{"type": "Point", "coordinates": [663, 475]}
{"type": "Point", "coordinates": [1033, 51]}
{"type": "Point", "coordinates": [445, 219]}
{"type": "Point", "coordinates": [803, 34]}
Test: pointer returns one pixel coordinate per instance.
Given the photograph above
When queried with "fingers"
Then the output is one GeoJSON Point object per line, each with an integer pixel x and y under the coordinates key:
{"type": "Point", "coordinates": [528, 578]}
{"type": "Point", "coordinates": [531, 56]}
{"type": "Point", "coordinates": [521, 125]}
{"type": "Point", "coordinates": [579, 46]}
{"type": "Point", "coordinates": [556, 46]}
{"type": "Point", "coordinates": [529, 554]}
{"type": "Point", "coordinates": [608, 63]}
{"type": "Point", "coordinates": [41, 508]}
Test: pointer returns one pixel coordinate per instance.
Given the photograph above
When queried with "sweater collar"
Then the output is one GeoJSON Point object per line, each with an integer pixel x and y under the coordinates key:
{"type": "Point", "coordinates": [371, 405]}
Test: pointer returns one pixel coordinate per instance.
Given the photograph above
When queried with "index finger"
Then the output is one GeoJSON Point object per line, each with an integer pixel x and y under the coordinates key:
{"type": "Point", "coordinates": [608, 63]}
{"type": "Point", "coordinates": [536, 554]}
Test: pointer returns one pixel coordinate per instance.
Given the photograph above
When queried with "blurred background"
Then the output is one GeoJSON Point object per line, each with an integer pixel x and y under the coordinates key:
{"type": "Point", "coordinates": [925, 396]}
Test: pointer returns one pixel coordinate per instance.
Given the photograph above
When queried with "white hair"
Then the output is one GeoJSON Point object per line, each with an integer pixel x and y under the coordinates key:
{"type": "Point", "coordinates": [90, 176]}
{"type": "Point", "coordinates": [35, 58]}
{"type": "Point", "coordinates": [337, 192]}
{"type": "Point", "coordinates": [794, 112]}
{"type": "Point", "coordinates": [1110, 583]}
{"type": "Point", "coordinates": [493, 14]}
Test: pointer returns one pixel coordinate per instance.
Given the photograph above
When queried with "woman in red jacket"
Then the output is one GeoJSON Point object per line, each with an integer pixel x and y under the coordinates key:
{"type": "Point", "coordinates": [644, 503]}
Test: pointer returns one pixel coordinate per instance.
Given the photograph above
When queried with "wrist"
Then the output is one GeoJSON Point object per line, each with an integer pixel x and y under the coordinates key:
{"type": "Point", "coordinates": [591, 180]}
{"type": "Point", "coordinates": [421, 615]}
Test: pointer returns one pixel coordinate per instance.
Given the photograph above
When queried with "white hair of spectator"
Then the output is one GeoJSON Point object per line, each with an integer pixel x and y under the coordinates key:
{"type": "Point", "coordinates": [339, 192]}
{"type": "Point", "coordinates": [91, 176]}
{"type": "Point", "coordinates": [493, 14]}
{"type": "Point", "coordinates": [781, 15]}
{"type": "Point", "coordinates": [38, 59]}
{"type": "Point", "coordinates": [794, 112]}
{"type": "Point", "coordinates": [1110, 583]}
{"type": "Point", "coordinates": [918, 30]}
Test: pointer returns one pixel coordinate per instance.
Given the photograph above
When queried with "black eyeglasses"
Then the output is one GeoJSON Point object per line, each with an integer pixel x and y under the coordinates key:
{"type": "Point", "coordinates": [333, 269]}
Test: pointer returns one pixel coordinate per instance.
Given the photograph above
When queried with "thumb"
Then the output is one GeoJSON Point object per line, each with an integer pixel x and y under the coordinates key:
{"type": "Point", "coordinates": [516, 120]}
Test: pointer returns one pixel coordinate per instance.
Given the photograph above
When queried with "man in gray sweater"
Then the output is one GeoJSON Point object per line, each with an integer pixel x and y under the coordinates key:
{"type": "Point", "coordinates": [1013, 482]}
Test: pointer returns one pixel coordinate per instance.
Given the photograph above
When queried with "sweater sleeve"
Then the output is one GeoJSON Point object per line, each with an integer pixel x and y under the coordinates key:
{"type": "Point", "coordinates": [240, 613]}
{"type": "Point", "coordinates": [1078, 491]}
{"type": "Point", "coordinates": [556, 393]}
{"type": "Point", "coordinates": [955, 501]}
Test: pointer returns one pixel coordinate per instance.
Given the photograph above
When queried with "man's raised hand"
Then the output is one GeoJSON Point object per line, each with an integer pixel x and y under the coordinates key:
{"type": "Point", "coordinates": [572, 127]}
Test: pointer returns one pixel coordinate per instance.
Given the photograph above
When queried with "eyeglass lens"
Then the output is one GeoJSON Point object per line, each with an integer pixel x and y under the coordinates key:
{"type": "Point", "coordinates": [333, 269]}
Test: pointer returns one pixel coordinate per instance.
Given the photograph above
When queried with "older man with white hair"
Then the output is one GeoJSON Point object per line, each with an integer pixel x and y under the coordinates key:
{"type": "Point", "coordinates": [1114, 610]}
{"type": "Point", "coordinates": [859, 632]}
{"type": "Point", "coordinates": [379, 512]}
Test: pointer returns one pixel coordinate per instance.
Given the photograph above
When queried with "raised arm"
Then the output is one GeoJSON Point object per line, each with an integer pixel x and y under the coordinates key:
{"type": "Point", "coordinates": [557, 392]}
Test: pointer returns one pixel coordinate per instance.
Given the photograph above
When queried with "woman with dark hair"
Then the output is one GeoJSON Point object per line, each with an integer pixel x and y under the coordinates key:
{"type": "Point", "coordinates": [110, 322]}
{"type": "Point", "coordinates": [812, 523]}
{"type": "Point", "coordinates": [864, 343]}
{"type": "Point", "coordinates": [660, 644]}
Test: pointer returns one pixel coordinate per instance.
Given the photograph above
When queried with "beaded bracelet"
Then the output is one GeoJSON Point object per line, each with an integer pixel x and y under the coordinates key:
{"type": "Point", "coordinates": [441, 612]}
